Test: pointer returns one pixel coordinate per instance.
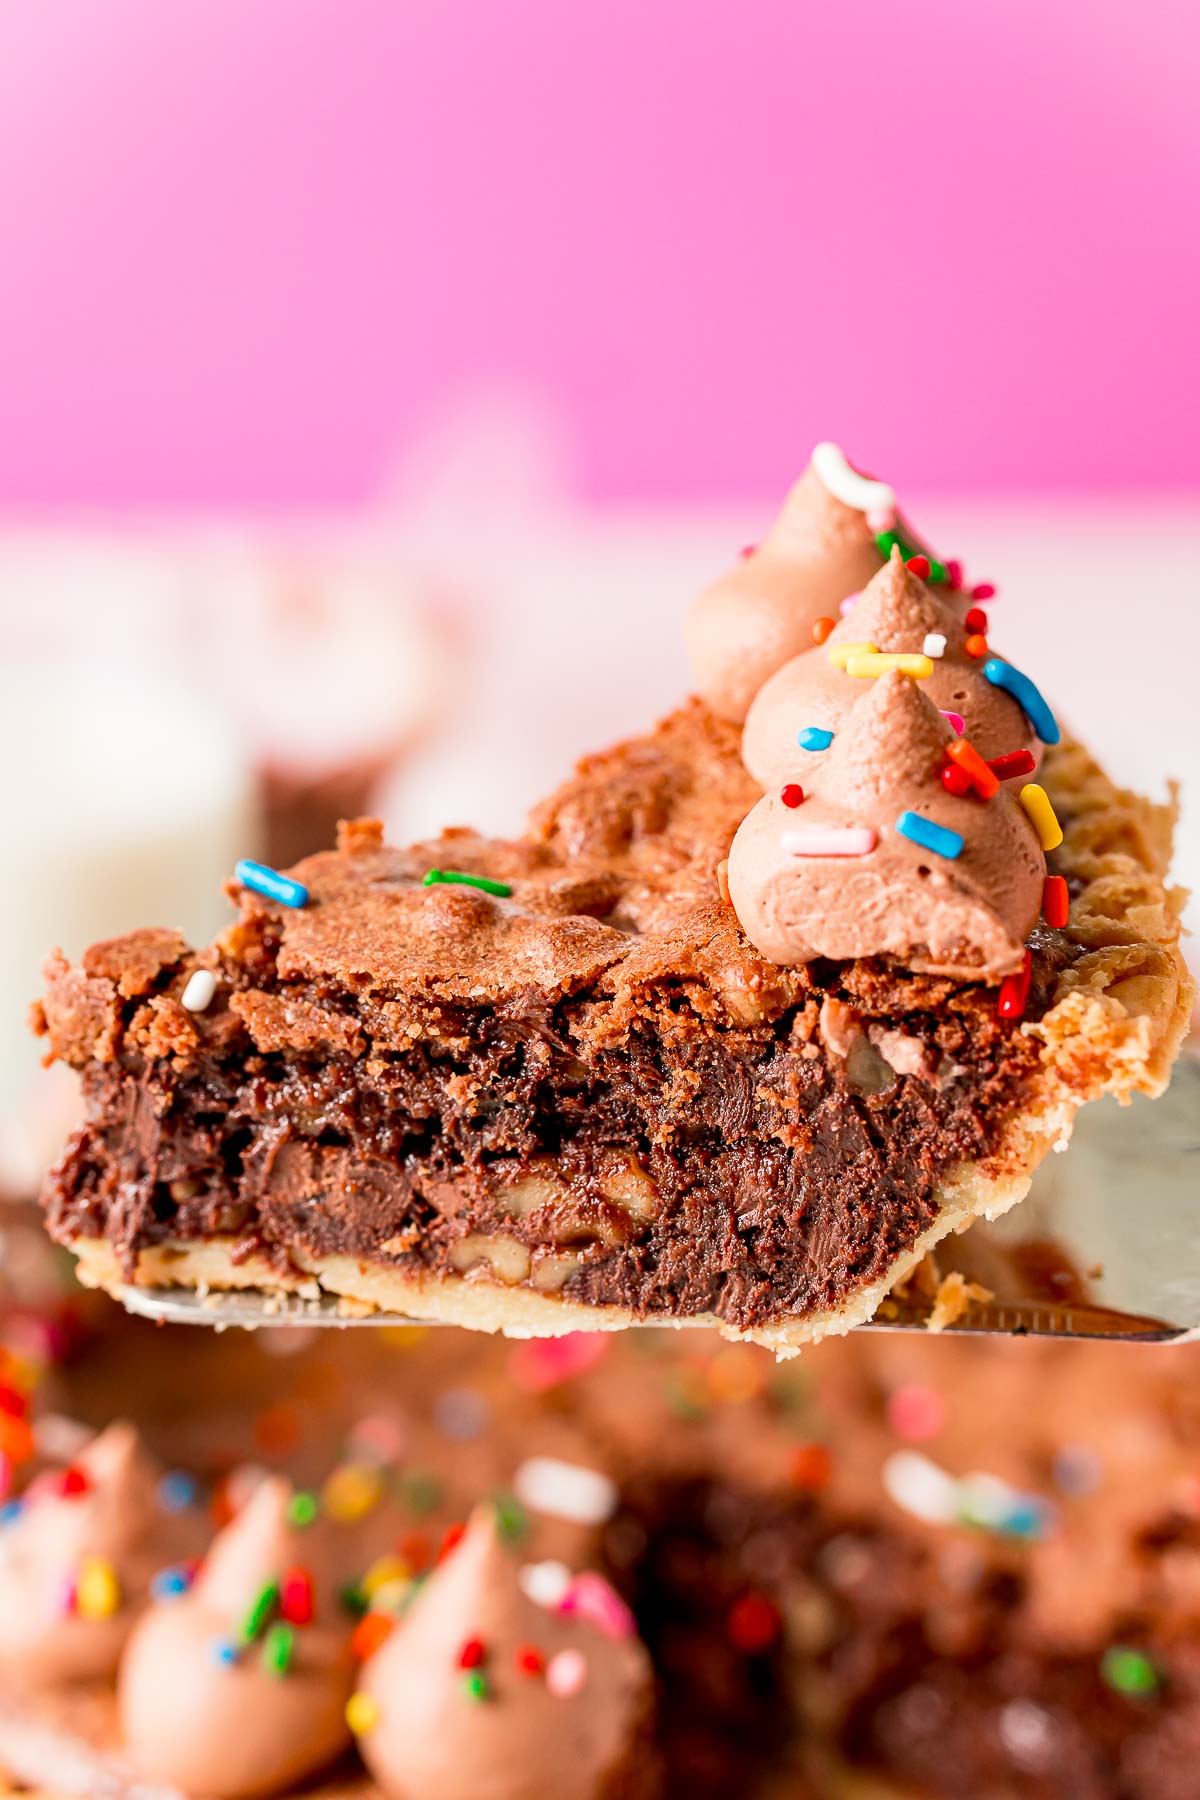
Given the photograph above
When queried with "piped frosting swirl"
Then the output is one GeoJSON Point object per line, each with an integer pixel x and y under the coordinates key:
{"type": "Point", "coordinates": [481, 1691]}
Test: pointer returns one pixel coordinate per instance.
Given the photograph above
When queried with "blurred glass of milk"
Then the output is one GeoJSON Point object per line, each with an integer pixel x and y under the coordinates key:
{"type": "Point", "coordinates": [126, 799]}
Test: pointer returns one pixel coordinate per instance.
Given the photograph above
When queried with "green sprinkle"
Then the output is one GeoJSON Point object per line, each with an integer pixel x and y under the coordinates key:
{"type": "Point", "coordinates": [353, 1599]}
{"type": "Point", "coordinates": [460, 879]}
{"type": "Point", "coordinates": [887, 541]}
{"type": "Point", "coordinates": [937, 571]}
{"type": "Point", "coordinates": [302, 1509]}
{"type": "Point", "coordinates": [420, 1493]}
{"type": "Point", "coordinates": [1129, 1672]}
{"type": "Point", "coordinates": [277, 1648]}
{"type": "Point", "coordinates": [265, 1602]}
{"type": "Point", "coordinates": [475, 1685]}
{"type": "Point", "coordinates": [512, 1521]}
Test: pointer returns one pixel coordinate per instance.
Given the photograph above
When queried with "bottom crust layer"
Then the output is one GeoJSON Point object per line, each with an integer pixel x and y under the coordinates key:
{"type": "Point", "coordinates": [481, 1304]}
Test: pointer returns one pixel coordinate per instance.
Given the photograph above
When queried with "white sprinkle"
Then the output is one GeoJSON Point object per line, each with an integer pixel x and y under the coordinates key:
{"type": "Point", "coordinates": [566, 1673]}
{"type": "Point", "coordinates": [921, 1487]}
{"type": "Point", "coordinates": [935, 644]}
{"type": "Point", "coordinates": [545, 1583]}
{"type": "Point", "coordinates": [199, 991]}
{"type": "Point", "coordinates": [565, 1490]}
{"type": "Point", "coordinates": [847, 485]}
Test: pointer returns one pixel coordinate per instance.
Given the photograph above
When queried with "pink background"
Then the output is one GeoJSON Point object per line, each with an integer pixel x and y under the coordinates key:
{"type": "Point", "coordinates": [252, 248]}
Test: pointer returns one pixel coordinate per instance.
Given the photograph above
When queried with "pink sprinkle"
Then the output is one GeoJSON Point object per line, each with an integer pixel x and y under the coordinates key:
{"type": "Point", "coordinates": [845, 605]}
{"type": "Point", "coordinates": [984, 590]}
{"type": "Point", "coordinates": [746, 550]}
{"type": "Point", "coordinates": [566, 1673]}
{"type": "Point", "coordinates": [954, 575]}
{"type": "Point", "coordinates": [916, 1413]}
{"type": "Point", "coordinates": [592, 1598]}
{"type": "Point", "coordinates": [956, 719]}
{"type": "Point", "coordinates": [68, 1600]}
{"type": "Point", "coordinates": [542, 1363]}
{"type": "Point", "coordinates": [882, 518]}
{"type": "Point", "coordinates": [830, 840]}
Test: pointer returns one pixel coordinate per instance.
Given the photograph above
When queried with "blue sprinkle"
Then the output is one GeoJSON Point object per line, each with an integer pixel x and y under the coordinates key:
{"type": "Point", "coordinates": [1027, 1519]}
{"type": "Point", "coordinates": [177, 1491]}
{"type": "Point", "coordinates": [223, 1651]}
{"type": "Point", "coordinates": [270, 882]}
{"type": "Point", "coordinates": [168, 1584]}
{"type": "Point", "coordinates": [1026, 695]}
{"type": "Point", "coordinates": [10, 1512]}
{"type": "Point", "coordinates": [938, 838]}
{"type": "Point", "coordinates": [815, 737]}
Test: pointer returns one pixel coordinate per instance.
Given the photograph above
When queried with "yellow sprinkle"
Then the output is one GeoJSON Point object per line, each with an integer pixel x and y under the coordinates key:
{"type": "Point", "coordinates": [1036, 802]}
{"type": "Point", "coordinates": [383, 1572]}
{"type": "Point", "coordinates": [362, 1714]}
{"type": "Point", "coordinates": [878, 662]}
{"type": "Point", "coordinates": [350, 1492]}
{"type": "Point", "coordinates": [97, 1590]}
{"type": "Point", "coordinates": [839, 654]}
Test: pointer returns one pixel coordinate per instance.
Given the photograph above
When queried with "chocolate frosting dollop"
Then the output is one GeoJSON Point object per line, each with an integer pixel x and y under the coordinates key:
{"type": "Point", "coordinates": [896, 611]}
{"type": "Point", "coordinates": [947, 914]}
{"type": "Point", "coordinates": [77, 1561]}
{"type": "Point", "coordinates": [558, 1705]}
{"type": "Point", "coordinates": [761, 614]}
{"type": "Point", "coordinates": [202, 1707]}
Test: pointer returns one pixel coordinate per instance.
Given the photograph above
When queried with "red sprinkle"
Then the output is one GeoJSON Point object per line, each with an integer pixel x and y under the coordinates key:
{"type": "Point", "coordinates": [1017, 762]}
{"type": "Point", "coordinates": [529, 1660]}
{"type": "Point", "coordinates": [296, 1597]}
{"type": "Point", "coordinates": [984, 590]}
{"type": "Point", "coordinates": [472, 1654]}
{"type": "Point", "coordinates": [812, 1465]}
{"type": "Point", "coordinates": [1056, 901]}
{"type": "Point", "coordinates": [752, 1625]}
{"type": "Point", "coordinates": [976, 619]}
{"type": "Point", "coordinates": [453, 1535]}
{"type": "Point", "coordinates": [984, 780]}
{"type": "Point", "coordinates": [73, 1482]}
{"type": "Point", "coordinates": [1014, 991]}
{"type": "Point", "coordinates": [919, 566]}
{"type": "Point", "coordinates": [416, 1550]}
{"type": "Point", "coordinates": [372, 1630]}
{"type": "Point", "coordinates": [821, 629]}
{"type": "Point", "coordinates": [792, 794]}
{"type": "Point", "coordinates": [955, 781]}
{"type": "Point", "coordinates": [976, 645]}
{"type": "Point", "coordinates": [746, 550]}
{"type": "Point", "coordinates": [12, 1402]}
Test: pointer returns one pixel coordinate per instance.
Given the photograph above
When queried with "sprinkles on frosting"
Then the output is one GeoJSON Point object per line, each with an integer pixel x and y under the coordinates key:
{"type": "Point", "coordinates": [460, 878]}
{"type": "Point", "coordinates": [814, 737]}
{"type": "Point", "coordinates": [270, 883]}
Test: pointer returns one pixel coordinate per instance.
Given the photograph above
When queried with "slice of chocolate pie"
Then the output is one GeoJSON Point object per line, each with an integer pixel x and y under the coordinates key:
{"type": "Point", "coordinates": [716, 1041]}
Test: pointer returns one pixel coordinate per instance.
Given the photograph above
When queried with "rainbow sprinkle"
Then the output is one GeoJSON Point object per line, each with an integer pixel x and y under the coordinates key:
{"type": "Point", "coordinates": [362, 1714]}
{"type": "Point", "coordinates": [459, 878]}
{"type": "Point", "coordinates": [278, 1646]}
{"type": "Point", "coordinates": [938, 838]}
{"type": "Point", "coordinates": [270, 883]}
{"type": "Point", "coordinates": [1027, 696]}
{"type": "Point", "coordinates": [1041, 815]}
{"type": "Point", "coordinates": [1129, 1672]}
